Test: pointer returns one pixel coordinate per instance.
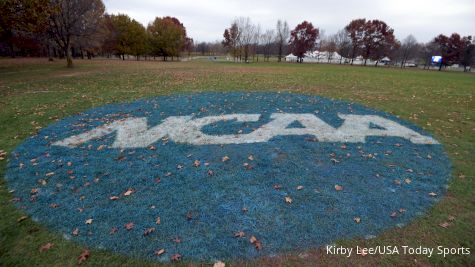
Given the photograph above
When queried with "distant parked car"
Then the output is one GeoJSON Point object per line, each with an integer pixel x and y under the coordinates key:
{"type": "Point", "coordinates": [410, 65]}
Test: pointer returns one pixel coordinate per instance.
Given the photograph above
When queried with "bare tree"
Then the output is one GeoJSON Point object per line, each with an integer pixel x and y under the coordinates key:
{"type": "Point", "coordinates": [74, 20]}
{"type": "Point", "coordinates": [408, 49]}
{"type": "Point", "coordinates": [267, 41]}
{"type": "Point", "coordinates": [343, 44]}
{"type": "Point", "coordinates": [282, 37]}
{"type": "Point", "coordinates": [247, 35]}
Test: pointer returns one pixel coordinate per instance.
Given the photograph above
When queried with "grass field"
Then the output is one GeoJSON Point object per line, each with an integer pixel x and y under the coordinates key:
{"type": "Point", "coordinates": [35, 93]}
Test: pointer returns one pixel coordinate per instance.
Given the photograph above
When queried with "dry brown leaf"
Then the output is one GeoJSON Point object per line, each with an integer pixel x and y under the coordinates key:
{"type": "Point", "coordinates": [114, 198]}
{"type": "Point", "coordinates": [432, 194]}
{"type": "Point", "coordinates": [288, 200]}
{"type": "Point", "coordinates": [225, 158]}
{"type": "Point", "coordinates": [444, 224]}
{"type": "Point", "coordinates": [407, 181]}
{"type": "Point", "coordinates": [113, 230]}
{"type": "Point", "coordinates": [338, 187]}
{"type": "Point", "coordinates": [46, 247]}
{"type": "Point", "coordinates": [251, 157]}
{"type": "Point", "coordinates": [159, 252]}
{"type": "Point", "coordinates": [49, 174]}
{"type": "Point", "coordinates": [129, 192]}
{"type": "Point", "coordinates": [393, 214]}
{"type": "Point", "coordinates": [83, 257]}
{"type": "Point", "coordinates": [253, 239]}
{"type": "Point", "coordinates": [129, 226]}
{"type": "Point", "coordinates": [239, 234]}
{"type": "Point", "coordinates": [75, 232]}
{"type": "Point", "coordinates": [89, 221]}
{"type": "Point", "coordinates": [148, 231]}
{"type": "Point", "coordinates": [219, 264]}
{"type": "Point", "coordinates": [196, 163]}
{"type": "Point", "coordinates": [357, 219]}
{"type": "Point", "coordinates": [300, 187]}
{"type": "Point", "coordinates": [158, 221]}
{"type": "Point", "coordinates": [451, 218]}
{"type": "Point", "coordinates": [175, 257]}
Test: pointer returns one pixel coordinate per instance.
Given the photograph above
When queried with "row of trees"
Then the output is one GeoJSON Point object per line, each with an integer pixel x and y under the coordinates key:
{"type": "Point", "coordinates": [77, 27]}
{"type": "Point", "coordinates": [370, 39]}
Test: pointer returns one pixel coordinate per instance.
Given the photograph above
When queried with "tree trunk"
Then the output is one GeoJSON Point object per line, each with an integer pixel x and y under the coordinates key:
{"type": "Point", "coordinates": [280, 53]}
{"type": "Point", "coordinates": [69, 57]}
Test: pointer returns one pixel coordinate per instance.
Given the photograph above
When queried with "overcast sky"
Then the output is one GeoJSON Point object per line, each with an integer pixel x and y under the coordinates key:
{"type": "Point", "coordinates": [206, 20]}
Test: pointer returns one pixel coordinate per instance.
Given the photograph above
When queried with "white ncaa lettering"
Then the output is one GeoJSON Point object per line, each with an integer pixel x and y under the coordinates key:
{"type": "Point", "coordinates": [134, 132]}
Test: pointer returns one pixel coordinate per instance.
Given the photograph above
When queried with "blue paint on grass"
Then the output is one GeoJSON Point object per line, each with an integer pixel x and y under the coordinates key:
{"type": "Point", "coordinates": [204, 211]}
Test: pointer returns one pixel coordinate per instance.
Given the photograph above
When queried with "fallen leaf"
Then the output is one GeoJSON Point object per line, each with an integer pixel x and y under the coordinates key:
{"type": "Point", "coordinates": [196, 163]}
{"type": "Point", "coordinates": [159, 252]}
{"type": "Point", "coordinates": [357, 219]}
{"type": "Point", "coordinates": [129, 192]}
{"type": "Point", "coordinates": [46, 247]}
{"type": "Point", "coordinates": [451, 218]}
{"type": "Point", "coordinates": [219, 264]}
{"type": "Point", "coordinates": [114, 198]}
{"type": "Point", "coordinates": [113, 230]}
{"type": "Point", "coordinates": [288, 200]}
{"type": "Point", "coordinates": [239, 234]}
{"type": "Point", "coordinates": [432, 194]}
{"type": "Point", "coordinates": [407, 181]}
{"type": "Point", "coordinates": [75, 232]}
{"type": "Point", "coordinates": [277, 186]}
{"type": "Point", "coordinates": [401, 210]}
{"type": "Point", "coordinates": [256, 242]}
{"type": "Point", "coordinates": [397, 182]}
{"type": "Point", "coordinates": [210, 173]}
{"type": "Point", "coordinates": [148, 231]}
{"type": "Point", "coordinates": [129, 226]}
{"type": "Point", "coordinates": [251, 157]}
{"type": "Point", "coordinates": [83, 257]}
{"type": "Point", "coordinates": [175, 257]}
{"type": "Point", "coordinates": [158, 221]}
{"type": "Point", "coordinates": [189, 215]}
{"type": "Point", "coordinates": [89, 221]}
{"type": "Point", "coordinates": [444, 224]}
{"type": "Point", "coordinates": [393, 214]}
{"type": "Point", "coordinates": [258, 245]}
{"type": "Point", "coordinates": [101, 147]}
{"type": "Point", "coordinates": [49, 174]}
{"type": "Point", "coordinates": [300, 187]}
{"type": "Point", "coordinates": [225, 158]}
{"type": "Point", "coordinates": [54, 205]}
{"type": "Point", "coordinates": [176, 240]}
{"type": "Point", "coordinates": [338, 187]}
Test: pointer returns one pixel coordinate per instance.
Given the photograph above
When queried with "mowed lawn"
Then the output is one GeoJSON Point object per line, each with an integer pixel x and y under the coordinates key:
{"type": "Point", "coordinates": [35, 93]}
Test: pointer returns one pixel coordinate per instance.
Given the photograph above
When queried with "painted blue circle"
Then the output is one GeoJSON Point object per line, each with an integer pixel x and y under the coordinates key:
{"type": "Point", "coordinates": [387, 181]}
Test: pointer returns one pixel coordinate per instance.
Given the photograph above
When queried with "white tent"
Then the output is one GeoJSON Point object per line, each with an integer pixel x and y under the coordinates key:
{"type": "Point", "coordinates": [291, 58]}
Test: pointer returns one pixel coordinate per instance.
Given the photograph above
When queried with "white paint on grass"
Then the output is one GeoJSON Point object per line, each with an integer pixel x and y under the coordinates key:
{"type": "Point", "coordinates": [135, 132]}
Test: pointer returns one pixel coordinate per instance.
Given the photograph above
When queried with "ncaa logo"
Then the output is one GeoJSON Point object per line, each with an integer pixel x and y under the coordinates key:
{"type": "Point", "coordinates": [200, 175]}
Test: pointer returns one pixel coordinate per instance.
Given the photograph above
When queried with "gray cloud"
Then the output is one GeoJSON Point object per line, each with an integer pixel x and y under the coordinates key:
{"type": "Point", "coordinates": [206, 20]}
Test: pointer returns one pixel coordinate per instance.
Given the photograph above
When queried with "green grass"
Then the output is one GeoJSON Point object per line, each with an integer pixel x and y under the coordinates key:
{"type": "Point", "coordinates": [35, 93]}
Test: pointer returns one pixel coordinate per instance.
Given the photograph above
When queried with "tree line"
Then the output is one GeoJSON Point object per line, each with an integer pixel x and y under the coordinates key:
{"type": "Point", "coordinates": [369, 39]}
{"type": "Point", "coordinates": [68, 28]}
{"type": "Point", "coordinates": [81, 28]}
